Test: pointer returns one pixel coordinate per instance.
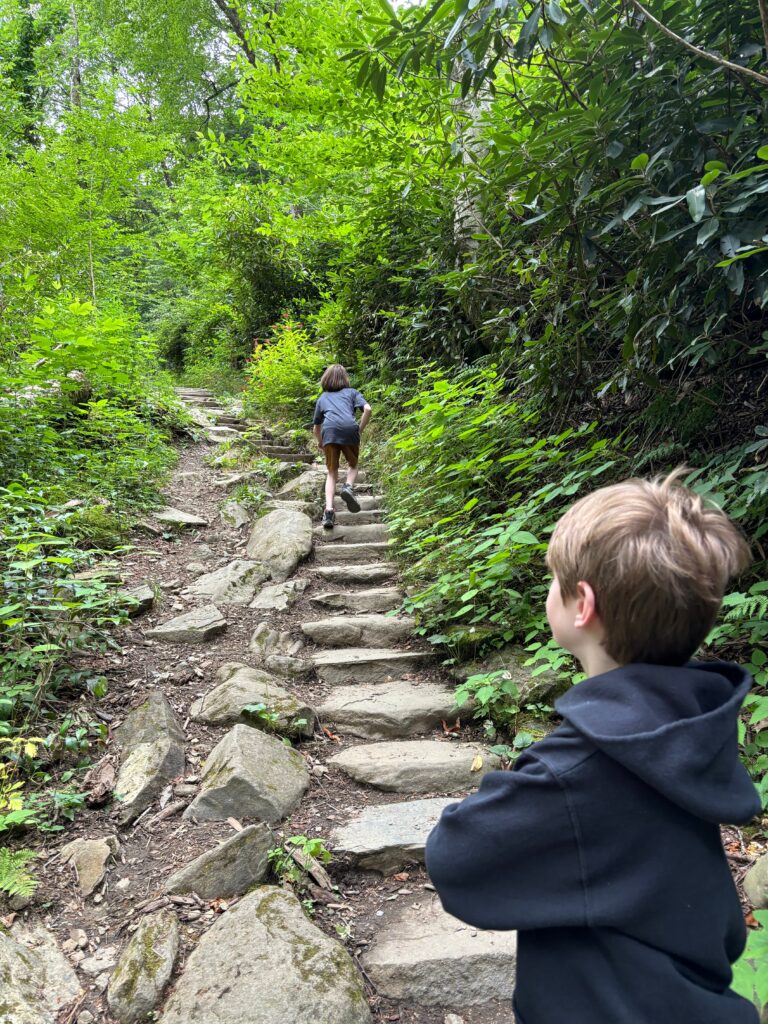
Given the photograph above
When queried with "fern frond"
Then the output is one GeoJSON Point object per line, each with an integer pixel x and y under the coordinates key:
{"type": "Point", "coordinates": [15, 879]}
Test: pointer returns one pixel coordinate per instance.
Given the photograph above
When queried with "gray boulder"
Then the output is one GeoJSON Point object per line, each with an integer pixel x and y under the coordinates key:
{"type": "Point", "coordinates": [193, 627]}
{"type": "Point", "coordinates": [145, 968]}
{"type": "Point", "coordinates": [264, 962]}
{"type": "Point", "coordinates": [425, 955]}
{"type": "Point", "coordinates": [281, 539]}
{"type": "Point", "coordinates": [229, 869]}
{"type": "Point", "coordinates": [145, 773]}
{"type": "Point", "coordinates": [306, 487]}
{"type": "Point", "coordinates": [418, 766]}
{"type": "Point", "coordinates": [153, 719]}
{"type": "Point", "coordinates": [756, 883]}
{"type": "Point", "coordinates": [241, 686]}
{"type": "Point", "coordinates": [266, 641]}
{"type": "Point", "coordinates": [233, 583]}
{"type": "Point", "coordinates": [234, 513]}
{"type": "Point", "coordinates": [37, 979]}
{"type": "Point", "coordinates": [249, 774]}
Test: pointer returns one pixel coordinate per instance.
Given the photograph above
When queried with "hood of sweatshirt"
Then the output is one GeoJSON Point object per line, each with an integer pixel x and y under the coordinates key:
{"type": "Point", "coordinates": [674, 727]}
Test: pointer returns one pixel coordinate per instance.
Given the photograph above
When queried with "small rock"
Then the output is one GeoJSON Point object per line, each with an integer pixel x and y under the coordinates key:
{"type": "Point", "coordinates": [229, 869]}
{"type": "Point", "coordinates": [203, 552]}
{"type": "Point", "coordinates": [86, 1017]}
{"type": "Point", "coordinates": [145, 968]}
{"type": "Point", "coordinates": [284, 665]}
{"type": "Point", "coordinates": [78, 937]}
{"type": "Point", "coordinates": [453, 1018]}
{"type": "Point", "coordinates": [178, 519]}
{"type": "Point", "coordinates": [195, 568]}
{"type": "Point", "coordinates": [123, 884]}
{"type": "Point", "coordinates": [236, 514]}
{"type": "Point", "coordinates": [103, 959]}
{"type": "Point", "coordinates": [89, 858]}
{"type": "Point", "coordinates": [140, 600]}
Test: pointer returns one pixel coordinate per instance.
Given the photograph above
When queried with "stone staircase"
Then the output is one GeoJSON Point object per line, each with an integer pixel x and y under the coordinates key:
{"type": "Point", "coordinates": [378, 689]}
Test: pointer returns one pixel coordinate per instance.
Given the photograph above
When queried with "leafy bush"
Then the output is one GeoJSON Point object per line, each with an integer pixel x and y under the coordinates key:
{"type": "Point", "coordinates": [284, 374]}
{"type": "Point", "coordinates": [15, 879]}
{"type": "Point", "coordinates": [750, 973]}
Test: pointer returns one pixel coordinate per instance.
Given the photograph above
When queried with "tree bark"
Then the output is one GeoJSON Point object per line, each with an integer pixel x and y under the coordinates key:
{"type": "Point", "coordinates": [237, 27]}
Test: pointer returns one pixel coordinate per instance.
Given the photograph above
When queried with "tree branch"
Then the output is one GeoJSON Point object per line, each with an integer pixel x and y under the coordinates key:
{"type": "Point", "coordinates": [764, 19]}
{"type": "Point", "coordinates": [706, 54]}
{"type": "Point", "coordinates": [237, 27]}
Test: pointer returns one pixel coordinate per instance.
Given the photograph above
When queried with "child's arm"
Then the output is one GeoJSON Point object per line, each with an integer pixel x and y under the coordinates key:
{"type": "Point", "coordinates": [365, 417]}
{"type": "Point", "coordinates": [317, 431]}
{"type": "Point", "coordinates": [507, 856]}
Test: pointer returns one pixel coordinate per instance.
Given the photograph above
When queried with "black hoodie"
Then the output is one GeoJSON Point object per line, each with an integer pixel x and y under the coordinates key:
{"type": "Point", "coordinates": [602, 847]}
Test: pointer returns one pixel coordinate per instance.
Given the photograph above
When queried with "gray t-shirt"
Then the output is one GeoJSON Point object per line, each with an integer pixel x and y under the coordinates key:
{"type": "Point", "coordinates": [335, 410]}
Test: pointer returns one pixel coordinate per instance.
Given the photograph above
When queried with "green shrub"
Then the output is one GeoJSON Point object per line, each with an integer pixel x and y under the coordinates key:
{"type": "Point", "coordinates": [284, 375]}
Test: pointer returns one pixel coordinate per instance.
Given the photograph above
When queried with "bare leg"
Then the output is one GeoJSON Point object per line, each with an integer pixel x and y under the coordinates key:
{"type": "Point", "coordinates": [330, 487]}
{"type": "Point", "coordinates": [351, 475]}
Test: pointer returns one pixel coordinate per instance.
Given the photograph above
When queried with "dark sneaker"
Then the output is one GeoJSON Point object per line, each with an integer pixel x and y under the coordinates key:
{"type": "Point", "coordinates": [329, 519]}
{"type": "Point", "coordinates": [347, 495]}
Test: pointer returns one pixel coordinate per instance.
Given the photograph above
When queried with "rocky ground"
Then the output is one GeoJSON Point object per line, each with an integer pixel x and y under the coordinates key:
{"type": "Point", "coordinates": [264, 690]}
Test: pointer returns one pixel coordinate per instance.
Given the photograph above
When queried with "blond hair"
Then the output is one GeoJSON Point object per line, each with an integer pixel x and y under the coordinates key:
{"type": "Point", "coordinates": [335, 378]}
{"type": "Point", "coordinates": [658, 559]}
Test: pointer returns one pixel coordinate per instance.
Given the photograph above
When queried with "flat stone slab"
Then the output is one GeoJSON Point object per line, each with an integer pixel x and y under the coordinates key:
{"type": "Point", "coordinates": [375, 599]}
{"type": "Point", "coordinates": [369, 517]}
{"type": "Point", "coordinates": [241, 686]}
{"type": "Point", "coordinates": [425, 955]}
{"type": "Point", "coordinates": [89, 858]}
{"type": "Point", "coordinates": [279, 597]}
{"type": "Point", "coordinates": [37, 979]}
{"type": "Point", "coordinates": [376, 572]}
{"type": "Point", "coordinates": [366, 630]}
{"type": "Point", "coordinates": [281, 539]}
{"type": "Point", "coordinates": [229, 869]}
{"type": "Point", "coordinates": [249, 774]}
{"type": "Point", "coordinates": [387, 710]}
{"type": "Point", "coordinates": [389, 836]}
{"type": "Point", "coordinates": [264, 962]}
{"type": "Point", "coordinates": [175, 517]}
{"type": "Point", "coordinates": [234, 583]}
{"type": "Point", "coordinates": [417, 766]}
{"type": "Point", "coordinates": [193, 627]}
{"type": "Point", "coordinates": [367, 664]}
{"type": "Point", "coordinates": [367, 502]}
{"type": "Point", "coordinates": [337, 554]}
{"type": "Point", "coordinates": [144, 968]}
{"type": "Point", "coordinates": [353, 533]}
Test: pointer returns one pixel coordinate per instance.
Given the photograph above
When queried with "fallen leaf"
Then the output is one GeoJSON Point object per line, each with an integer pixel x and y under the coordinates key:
{"type": "Point", "coordinates": [751, 921]}
{"type": "Point", "coordinates": [477, 764]}
{"type": "Point", "coordinates": [451, 728]}
{"type": "Point", "coordinates": [401, 876]}
{"type": "Point", "coordinates": [331, 735]}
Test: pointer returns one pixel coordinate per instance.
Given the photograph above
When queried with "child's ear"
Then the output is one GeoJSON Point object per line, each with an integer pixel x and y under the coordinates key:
{"type": "Point", "coordinates": [586, 605]}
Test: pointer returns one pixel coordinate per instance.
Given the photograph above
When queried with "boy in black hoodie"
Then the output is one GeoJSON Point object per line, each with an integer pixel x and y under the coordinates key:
{"type": "Point", "coordinates": [602, 846]}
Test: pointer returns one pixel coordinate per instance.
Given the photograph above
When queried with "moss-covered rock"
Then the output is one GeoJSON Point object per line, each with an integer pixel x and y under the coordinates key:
{"type": "Point", "coordinates": [144, 968]}
{"type": "Point", "coordinates": [264, 962]}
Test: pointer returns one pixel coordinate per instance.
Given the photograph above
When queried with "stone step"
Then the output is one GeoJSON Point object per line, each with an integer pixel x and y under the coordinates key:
{"type": "Point", "coordinates": [194, 392]}
{"type": "Point", "coordinates": [388, 837]}
{"type": "Point", "coordinates": [368, 517]}
{"type": "Point", "coordinates": [424, 955]}
{"type": "Point", "coordinates": [352, 533]}
{"type": "Point", "coordinates": [418, 766]}
{"type": "Point", "coordinates": [221, 434]}
{"type": "Point", "coordinates": [368, 503]}
{"type": "Point", "coordinates": [372, 572]}
{"type": "Point", "coordinates": [333, 554]}
{"type": "Point", "coordinates": [295, 458]}
{"type": "Point", "coordinates": [389, 710]}
{"type": "Point", "coordinates": [367, 664]}
{"type": "Point", "coordinates": [376, 599]}
{"type": "Point", "coordinates": [175, 517]}
{"type": "Point", "coordinates": [365, 630]}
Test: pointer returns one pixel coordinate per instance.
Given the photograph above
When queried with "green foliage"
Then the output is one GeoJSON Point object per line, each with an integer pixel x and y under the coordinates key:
{"type": "Point", "coordinates": [750, 973]}
{"type": "Point", "coordinates": [284, 374]}
{"type": "Point", "coordinates": [15, 878]}
{"type": "Point", "coordinates": [291, 862]}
